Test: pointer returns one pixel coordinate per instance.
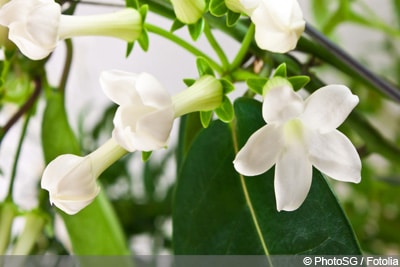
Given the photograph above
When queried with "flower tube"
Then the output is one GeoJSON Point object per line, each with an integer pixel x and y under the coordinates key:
{"type": "Point", "coordinates": [189, 11]}
{"type": "Point", "coordinates": [36, 26]}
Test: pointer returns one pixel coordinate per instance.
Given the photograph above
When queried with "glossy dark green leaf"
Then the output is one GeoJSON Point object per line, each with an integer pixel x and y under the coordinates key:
{"type": "Point", "coordinates": [95, 230]}
{"type": "Point", "coordinates": [217, 211]}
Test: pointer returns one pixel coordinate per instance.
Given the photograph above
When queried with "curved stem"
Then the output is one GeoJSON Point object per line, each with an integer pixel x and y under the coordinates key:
{"type": "Point", "coordinates": [67, 66]}
{"type": "Point", "coordinates": [385, 87]}
{"type": "Point", "coordinates": [184, 44]}
{"type": "Point", "coordinates": [17, 155]}
{"type": "Point", "coordinates": [214, 44]}
{"type": "Point", "coordinates": [248, 38]}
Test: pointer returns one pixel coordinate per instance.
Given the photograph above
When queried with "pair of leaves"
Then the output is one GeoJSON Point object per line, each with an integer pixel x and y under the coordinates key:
{"type": "Point", "coordinates": [218, 8]}
{"type": "Point", "coordinates": [219, 212]}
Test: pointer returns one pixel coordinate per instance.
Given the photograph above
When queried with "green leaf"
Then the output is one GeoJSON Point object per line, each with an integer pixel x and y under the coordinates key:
{"type": "Point", "coordinates": [257, 85]}
{"type": "Point", "coordinates": [203, 67]}
{"type": "Point", "coordinates": [232, 18]}
{"type": "Point", "coordinates": [281, 71]}
{"type": "Point", "coordinates": [217, 211]}
{"type": "Point", "coordinates": [225, 110]}
{"type": "Point", "coordinates": [218, 8]}
{"type": "Point", "coordinates": [94, 230]}
{"type": "Point", "coordinates": [189, 82]}
{"type": "Point", "coordinates": [299, 82]}
{"type": "Point", "coordinates": [57, 135]}
{"type": "Point", "coordinates": [205, 118]}
{"type": "Point", "coordinates": [196, 29]}
{"type": "Point", "coordinates": [132, 3]}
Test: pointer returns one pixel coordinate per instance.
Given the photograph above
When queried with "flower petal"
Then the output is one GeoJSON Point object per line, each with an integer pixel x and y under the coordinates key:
{"type": "Point", "coordinates": [328, 107]}
{"type": "Point", "coordinates": [279, 25]}
{"type": "Point", "coordinates": [119, 86]}
{"type": "Point", "coordinates": [260, 152]}
{"type": "Point", "coordinates": [157, 127]}
{"type": "Point", "coordinates": [293, 177]}
{"type": "Point", "coordinates": [152, 92]}
{"type": "Point", "coordinates": [280, 104]}
{"type": "Point", "coordinates": [333, 154]}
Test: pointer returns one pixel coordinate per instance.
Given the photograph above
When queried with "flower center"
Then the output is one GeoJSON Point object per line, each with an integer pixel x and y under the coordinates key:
{"type": "Point", "coordinates": [293, 131]}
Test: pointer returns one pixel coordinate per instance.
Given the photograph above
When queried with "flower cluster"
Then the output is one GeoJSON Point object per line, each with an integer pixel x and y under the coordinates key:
{"type": "Point", "coordinates": [299, 133]}
{"type": "Point", "coordinates": [143, 122]}
{"type": "Point", "coordinates": [36, 26]}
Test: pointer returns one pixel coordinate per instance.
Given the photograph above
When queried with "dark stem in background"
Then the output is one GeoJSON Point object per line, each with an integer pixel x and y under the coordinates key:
{"type": "Point", "coordinates": [385, 87]}
{"type": "Point", "coordinates": [24, 108]}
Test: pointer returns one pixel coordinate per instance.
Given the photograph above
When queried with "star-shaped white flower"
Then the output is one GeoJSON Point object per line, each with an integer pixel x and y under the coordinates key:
{"type": "Point", "coordinates": [36, 26]}
{"type": "Point", "coordinates": [298, 135]}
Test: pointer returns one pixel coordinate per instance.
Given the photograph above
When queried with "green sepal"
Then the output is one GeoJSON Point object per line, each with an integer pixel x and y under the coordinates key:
{"type": "Point", "coordinates": [281, 71]}
{"type": "Point", "coordinates": [143, 12]}
{"type": "Point", "coordinates": [129, 48]}
{"type": "Point", "coordinates": [205, 118]}
{"type": "Point", "coordinates": [218, 8]}
{"type": "Point", "coordinates": [203, 67]}
{"type": "Point", "coordinates": [176, 25]}
{"type": "Point", "coordinates": [257, 85]}
{"type": "Point", "coordinates": [227, 86]}
{"type": "Point", "coordinates": [146, 155]}
{"type": "Point", "coordinates": [196, 29]}
{"type": "Point", "coordinates": [189, 82]}
{"type": "Point", "coordinates": [232, 18]}
{"type": "Point", "coordinates": [144, 40]}
{"type": "Point", "coordinates": [225, 111]}
{"type": "Point", "coordinates": [299, 82]}
{"type": "Point", "coordinates": [132, 3]}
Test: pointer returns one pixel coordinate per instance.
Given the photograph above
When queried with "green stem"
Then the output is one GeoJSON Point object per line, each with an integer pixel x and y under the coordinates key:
{"type": "Point", "coordinates": [184, 44]}
{"type": "Point", "coordinates": [214, 44]}
{"type": "Point", "coordinates": [7, 213]}
{"type": "Point", "coordinates": [67, 66]}
{"type": "Point", "coordinates": [34, 223]}
{"type": "Point", "coordinates": [244, 49]}
{"type": "Point", "coordinates": [17, 155]}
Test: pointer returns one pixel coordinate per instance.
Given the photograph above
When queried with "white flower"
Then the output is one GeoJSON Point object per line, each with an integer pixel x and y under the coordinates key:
{"type": "Point", "coordinates": [36, 26]}
{"type": "Point", "coordinates": [144, 118]}
{"type": "Point", "coordinates": [189, 11]}
{"type": "Point", "coordinates": [300, 134]}
{"type": "Point", "coordinates": [146, 111]}
{"type": "Point", "coordinates": [279, 24]}
{"type": "Point", "coordinates": [71, 180]}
